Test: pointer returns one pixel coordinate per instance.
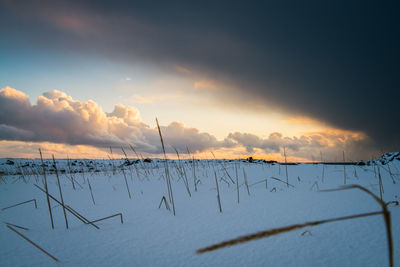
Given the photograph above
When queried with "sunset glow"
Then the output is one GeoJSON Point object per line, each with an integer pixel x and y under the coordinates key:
{"type": "Point", "coordinates": [109, 75]}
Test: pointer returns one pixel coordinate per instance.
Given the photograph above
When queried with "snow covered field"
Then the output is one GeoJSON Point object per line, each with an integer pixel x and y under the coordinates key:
{"type": "Point", "coordinates": [153, 236]}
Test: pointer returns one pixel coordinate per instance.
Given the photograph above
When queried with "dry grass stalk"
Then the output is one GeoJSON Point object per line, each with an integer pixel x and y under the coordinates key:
{"type": "Point", "coordinates": [91, 193]}
{"type": "Point", "coordinates": [70, 172]}
{"type": "Point", "coordinates": [355, 173]}
{"type": "Point", "coordinates": [224, 168]}
{"type": "Point", "coordinates": [315, 185]}
{"type": "Point", "coordinates": [386, 216]}
{"type": "Point", "coordinates": [218, 195]}
{"type": "Point", "coordinates": [390, 173]}
{"type": "Point", "coordinates": [182, 171]}
{"type": "Point", "coordinates": [33, 243]}
{"type": "Point", "coordinates": [263, 234]}
{"type": "Point", "coordinates": [15, 205]}
{"type": "Point", "coordinates": [59, 189]}
{"type": "Point", "coordinates": [381, 191]}
{"type": "Point", "coordinates": [222, 179]}
{"type": "Point", "coordinates": [126, 158]}
{"type": "Point", "coordinates": [193, 169]}
{"type": "Point", "coordinates": [395, 202]}
{"type": "Point", "coordinates": [306, 232]}
{"type": "Point", "coordinates": [137, 158]}
{"type": "Point", "coordinates": [246, 182]}
{"type": "Point", "coordinates": [287, 175]}
{"type": "Point", "coordinates": [323, 168]}
{"type": "Point", "coordinates": [277, 179]}
{"type": "Point", "coordinates": [108, 217]}
{"type": "Point", "coordinates": [114, 169]}
{"type": "Point", "coordinates": [237, 184]}
{"type": "Point", "coordinates": [46, 189]}
{"type": "Point", "coordinates": [280, 230]}
{"type": "Point", "coordinates": [167, 176]}
{"type": "Point", "coordinates": [344, 169]}
{"type": "Point", "coordinates": [22, 172]}
{"type": "Point", "coordinates": [163, 199]}
{"type": "Point", "coordinates": [83, 174]}
{"type": "Point", "coordinates": [140, 160]}
{"type": "Point", "coordinates": [126, 182]}
{"type": "Point", "coordinates": [227, 173]}
{"type": "Point", "coordinates": [17, 226]}
{"type": "Point", "coordinates": [68, 208]}
{"type": "Point", "coordinates": [259, 182]}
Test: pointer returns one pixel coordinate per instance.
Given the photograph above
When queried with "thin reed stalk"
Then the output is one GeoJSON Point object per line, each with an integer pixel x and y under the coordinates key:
{"type": "Point", "coordinates": [323, 168]}
{"type": "Point", "coordinates": [344, 169]}
{"type": "Point", "coordinates": [287, 175]}
{"type": "Point", "coordinates": [70, 172]}
{"type": "Point", "coordinates": [126, 182]}
{"type": "Point", "coordinates": [193, 169]}
{"type": "Point", "coordinates": [15, 205]}
{"type": "Point", "coordinates": [237, 184]}
{"type": "Point", "coordinates": [91, 193]}
{"type": "Point", "coordinates": [137, 158]}
{"type": "Point", "coordinates": [59, 189]}
{"type": "Point", "coordinates": [68, 208]}
{"type": "Point", "coordinates": [218, 195]}
{"type": "Point", "coordinates": [109, 217]}
{"type": "Point", "coordinates": [32, 243]}
{"type": "Point", "coordinates": [163, 199]}
{"type": "Point", "coordinates": [167, 177]}
{"type": "Point", "coordinates": [381, 191]}
{"type": "Point", "coordinates": [183, 173]}
{"type": "Point", "coordinates": [17, 226]}
{"type": "Point", "coordinates": [263, 234]}
{"type": "Point", "coordinates": [246, 182]}
{"type": "Point", "coordinates": [126, 158]}
{"type": "Point", "coordinates": [280, 230]}
{"type": "Point", "coordinates": [46, 189]}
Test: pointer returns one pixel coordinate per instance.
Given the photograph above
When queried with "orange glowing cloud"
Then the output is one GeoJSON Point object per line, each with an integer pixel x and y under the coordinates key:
{"type": "Point", "coordinates": [74, 126]}
{"type": "Point", "coordinates": [301, 120]}
{"type": "Point", "coordinates": [205, 85]}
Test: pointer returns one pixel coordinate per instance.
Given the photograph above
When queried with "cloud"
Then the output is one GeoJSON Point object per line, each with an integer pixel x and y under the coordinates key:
{"type": "Point", "coordinates": [336, 62]}
{"type": "Point", "coordinates": [309, 145]}
{"type": "Point", "coordinates": [300, 120]}
{"type": "Point", "coordinates": [205, 85]}
{"type": "Point", "coordinates": [23, 149]}
{"type": "Point", "coordinates": [57, 117]}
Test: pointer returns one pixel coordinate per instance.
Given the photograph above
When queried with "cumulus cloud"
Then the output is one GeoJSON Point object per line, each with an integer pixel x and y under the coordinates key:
{"type": "Point", "coordinates": [57, 117]}
{"type": "Point", "coordinates": [309, 145]}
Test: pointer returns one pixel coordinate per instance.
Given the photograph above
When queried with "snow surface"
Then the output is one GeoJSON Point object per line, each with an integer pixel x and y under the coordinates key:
{"type": "Point", "coordinates": [151, 236]}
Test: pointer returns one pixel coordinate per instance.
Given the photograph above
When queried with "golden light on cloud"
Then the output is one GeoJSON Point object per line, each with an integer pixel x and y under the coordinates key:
{"type": "Point", "coordinates": [205, 85]}
{"type": "Point", "coordinates": [334, 136]}
{"type": "Point", "coordinates": [21, 149]}
{"type": "Point", "coordinates": [154, 98]}
{"type": "Point", "coordinates": [69, 121]}
{"type": "Point", "coordinates": [301, 120]}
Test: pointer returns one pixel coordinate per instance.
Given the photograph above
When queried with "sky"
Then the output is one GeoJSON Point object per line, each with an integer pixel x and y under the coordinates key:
{"type": "Point", "coordinates": [233, 78]}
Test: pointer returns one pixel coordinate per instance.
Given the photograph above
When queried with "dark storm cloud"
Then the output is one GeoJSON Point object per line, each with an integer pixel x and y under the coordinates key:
{"type": "Point", "coordinates": [337, 61]}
